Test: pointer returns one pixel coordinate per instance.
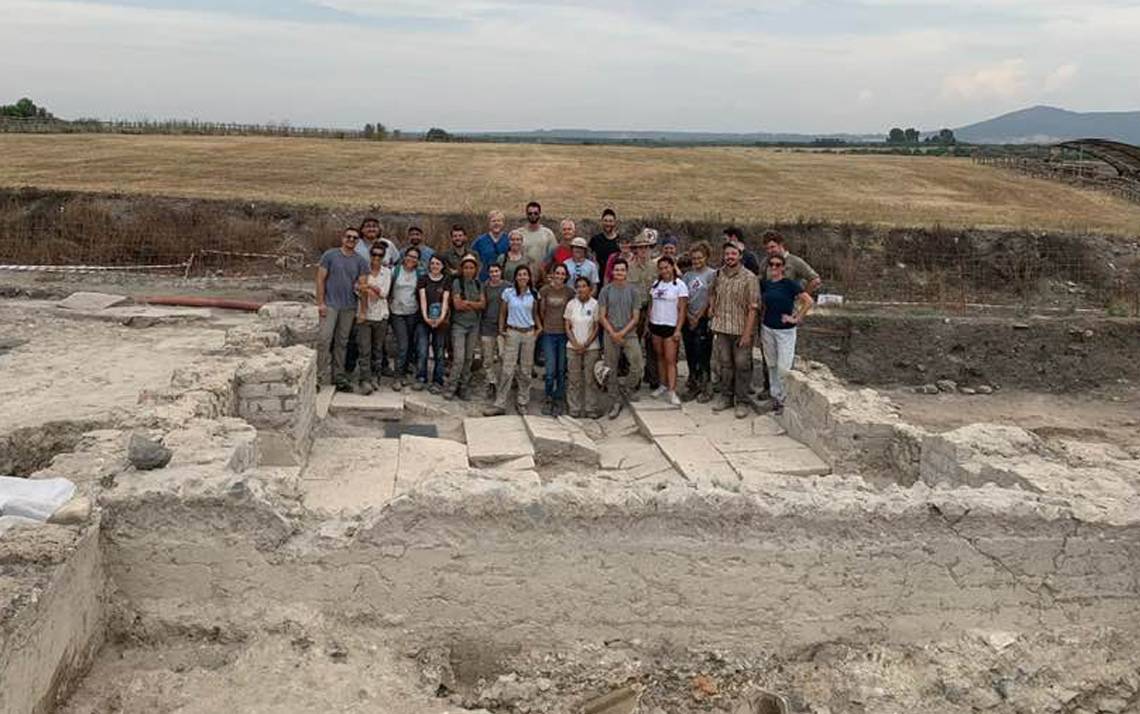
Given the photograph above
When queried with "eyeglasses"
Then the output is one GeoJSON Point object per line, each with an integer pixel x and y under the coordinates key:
{"type": "Point", "coordinates": [775, 264]}
{"type": "Point", "coordinates": [533, 213]}
{"type": "Point", "coordinates": [377, 255]}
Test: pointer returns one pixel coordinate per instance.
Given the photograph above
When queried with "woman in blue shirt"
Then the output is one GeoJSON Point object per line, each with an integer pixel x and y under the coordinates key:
{"type": "Point", "coordinates": [519, 324]}
{"type": "Point", "coordinates": [783, 305]}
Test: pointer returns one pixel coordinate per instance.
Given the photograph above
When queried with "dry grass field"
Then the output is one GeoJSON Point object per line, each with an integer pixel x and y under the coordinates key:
{"type": "Point", "coordinates": [727, 184]}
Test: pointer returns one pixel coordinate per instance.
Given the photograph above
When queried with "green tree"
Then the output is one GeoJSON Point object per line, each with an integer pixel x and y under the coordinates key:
{"type": "Point", "coordinates": [911, 136]}
{"type": "Point", "coordinates": [369, 131]}
{"type": "Point", "coordinates": [896, 136]}
{"type": "Point", "coordinates": [437, 134]}
{"type": "Point", "coordinates": [381, 132]}
{"type": "Point", "coordinates": [946, 137]}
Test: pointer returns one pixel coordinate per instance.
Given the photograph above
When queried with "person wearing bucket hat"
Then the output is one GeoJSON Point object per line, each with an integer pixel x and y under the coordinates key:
{"type": "Point", "coordinates": [467, 301]}
{"type": "Point", "coordinates": [579, 264]}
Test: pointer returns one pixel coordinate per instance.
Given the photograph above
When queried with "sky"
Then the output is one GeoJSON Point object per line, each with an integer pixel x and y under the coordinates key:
{"type": "Point", "coordinates": [809, 66]}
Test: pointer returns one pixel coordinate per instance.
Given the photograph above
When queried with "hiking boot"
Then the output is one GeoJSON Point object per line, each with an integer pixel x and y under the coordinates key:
{"type": "Point", "coordinates": [398, 385]}
{"type": "Point", "coordinates": [344, 386]}
{"type": "Point", "coordinates": [777, 408]}
{"type": "Point", "coordinates": [435, 388]}
{"type": "Point", "coordinates": [705, 396]}
{"type": "Point", "coordinates": [722, 405]}
{"type": "Point", "coordinates": [494, 410]}
{"type": "Point", "coordinates": [614, 410]}
{"type": "Point", "coordinates": [364, 387]}
{"type": "Point", "coordinates": [418, 386]}
{"type": "Point", "coordinates": [449, 395]}
{"type": "Point", "coordinates": [741, 411]}
{"type": "Point", "coordinates": [547, 407]}
{"type": "Point", "coordinates": [461, 394]}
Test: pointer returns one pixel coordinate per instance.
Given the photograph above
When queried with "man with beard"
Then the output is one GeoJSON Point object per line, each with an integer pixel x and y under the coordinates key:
{"type": "Point", "coordinates": [734, 299]}
{"type": "Point", "coordinates": [538, 240]}
{"type": "Point", "coordinates": [605, 244]}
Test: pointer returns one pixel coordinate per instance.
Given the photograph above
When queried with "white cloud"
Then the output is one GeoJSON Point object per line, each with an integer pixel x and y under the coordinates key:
{"type": "Point", "coordinates": [1001, 80]}
{"type": "Point", "coordinates": [1061, 77]}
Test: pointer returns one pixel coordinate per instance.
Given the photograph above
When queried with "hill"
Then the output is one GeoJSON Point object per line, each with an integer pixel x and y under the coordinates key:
{"type": "Point", "coordinates": [557, 136]}
{"type": "Point", "coordinates": [1044, 125]}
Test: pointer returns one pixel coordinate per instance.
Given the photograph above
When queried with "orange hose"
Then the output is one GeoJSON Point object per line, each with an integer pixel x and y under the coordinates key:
{"type": "Point", "coordinates": [188, 301]}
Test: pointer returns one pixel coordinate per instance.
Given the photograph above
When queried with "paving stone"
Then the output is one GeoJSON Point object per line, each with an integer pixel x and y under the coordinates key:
{"type": "Point", "coordinates": [425, 404]}
{"type": "Point", "coordinates": [491, 440]}
{"type": "Point", "coordinates": [382, 405]}
{"type": "Point", "coordinates": [657, 419]}
{"type": "Point", "coordinates": [765, 425]}
{"type": "Point", "coordinates": [344, 476]}
{"type": "Point", "coordinates": [560, 439]}
{"type": "Point", "coordinates": [422, 457]}
{"type": "Point", "coordinates": [793, 462]}
{"type": "Point", "coordinates": [324, 401]}
{"type": "Point", "coordinates": [523, 463]}
{"type": "Point", "coordinates": [699, 461]}
{"type": "Point", "coordinates": [89, 301]}
{"type": "Point", "coordinates": [736, 444]}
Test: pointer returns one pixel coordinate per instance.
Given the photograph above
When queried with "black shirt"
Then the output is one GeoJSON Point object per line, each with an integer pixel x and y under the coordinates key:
{"type": "Point", "coordinates": [603, 248]}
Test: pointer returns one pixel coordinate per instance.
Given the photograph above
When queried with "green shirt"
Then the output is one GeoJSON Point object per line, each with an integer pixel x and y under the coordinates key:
{"type": "Point", "coordinates": [466, 289]}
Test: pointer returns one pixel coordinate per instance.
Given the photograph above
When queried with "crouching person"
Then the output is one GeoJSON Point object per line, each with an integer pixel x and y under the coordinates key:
{"type": "Point", "coordinates": [784, 303]}
{"type": "Point", "coordinates": [582, 350]}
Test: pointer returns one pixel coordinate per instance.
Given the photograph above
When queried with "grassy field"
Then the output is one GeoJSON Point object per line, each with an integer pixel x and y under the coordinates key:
{"type": "Point", "coordinates": [700, 183]}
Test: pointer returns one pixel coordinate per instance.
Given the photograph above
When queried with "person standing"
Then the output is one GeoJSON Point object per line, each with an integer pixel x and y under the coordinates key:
{"type": "Point", "coordinates": [619, 309]}
{"type": "Point", "coordinates": [668, 304]}
{"type": "Point", "coordinates": [642, 273]}
{"type": "Point", "coordinates": [416, 240]}
{"type": "Point", "coordinates": [489, 338]}
{"type": "Point", "coordinates": [372, 323]}
{"type": "Point", "coordinates": [624, 251]}
{"type": "Point", "coordinates": [582, 350]}
{"type": "Point", "coordinates": [371, 235]}
{"type": "Point", "coordinates": [489, 246]}
{"type": "Point", "coordinates": [697, 334]}
{"type": "Point", "coordinates": [538, 241]}
{"type": "Point", "coordinates": [604, 245]}
{"type": "Point", "coordinates": [514, 257]}
{"type": "Point", "coordinates": [734, 300]}
{"type": "Point", "coordinates": [468, 303]}
{"type": "Point", "coordinates": [578, 265]}
{"type": "Point", "coordinates": [564, 251]}
{"type": "Point", "coordinates": [456, 250]}
{"type": "Point", "coordinates": [435, 298]}
{"type": "Point", "coordinates": [405, 312]}
{"type": "Point", "coordinates": [338, 276]}
{"type": "Point", "coordinates": [795, 267]}
{"type": "Point", "coordinates": [519, 324]}
{"type": "Point", "coordinates": [784, 306]}
{"type": "Point", "coordinates": [747, 258]}
{"type": "Point", "coordinates": [553, 298]}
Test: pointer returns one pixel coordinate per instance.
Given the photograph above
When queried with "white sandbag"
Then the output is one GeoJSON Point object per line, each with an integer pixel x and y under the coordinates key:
{"type": "Point", "coordinates": [33, 498]}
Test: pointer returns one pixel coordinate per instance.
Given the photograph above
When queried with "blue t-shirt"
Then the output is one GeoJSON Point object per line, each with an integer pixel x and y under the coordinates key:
{"type": "Point", "coordinates": [779, 298]}
{"type": "Point", "coordinates": [344, 271]}
{"type": "Point", "coordinates": [489, 250]}
{"type": "Point", "coordinates": [520, 308]}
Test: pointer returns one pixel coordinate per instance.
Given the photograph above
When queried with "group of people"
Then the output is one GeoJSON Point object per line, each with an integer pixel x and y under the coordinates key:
{"type": "Point", "coordinates": [606, 314]}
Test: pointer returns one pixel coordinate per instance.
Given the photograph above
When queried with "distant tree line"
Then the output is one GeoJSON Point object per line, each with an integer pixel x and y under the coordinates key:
{"type": "Point", "coordinates": [944, 137]}
{"type": "Point", "coordinates": [25, 109]}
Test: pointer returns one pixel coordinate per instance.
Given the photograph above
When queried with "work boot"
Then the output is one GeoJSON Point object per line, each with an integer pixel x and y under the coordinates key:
{"type": "Point", "coordinates": [398, 385]}
{"type": "Point", "coordinates": [741, 411]}
{"type": "Point", "coordinates": [722, 405]}
{"type": "Point", "coordinates": [706, 394]}
{"type": "Point", "coordinates": [547, 407]}
{"type": "Point", "coordinates": [364, 387]}
{"type": "Point", "coordinates": [435, 388]}
{"type": "Point", "coordinates": [449, 395]}
{"type": "Point", "coordinates": [343, 385]}
{"type": "Point", "coordinates": [777, 408]}
{"type": "Point", "coordinates": [461, 394]}
{"type": "Point", "coordinates": [558, 411]}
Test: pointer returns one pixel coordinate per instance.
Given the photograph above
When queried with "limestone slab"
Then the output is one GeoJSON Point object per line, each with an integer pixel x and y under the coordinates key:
{"type": "Point", "coordinates": [423, 457]}
{"type": "Point", "coordinates": [324, 401]}
{"type": "Point", "coordinates": [773, 444]}
{"type": "Point", "coordinates": [657, 419]}
{"type": "Point", "coordinates": [89, 301]}
{"type": "Point", "coordinates": [381, 405]}
{"type": "Point", "coordinates": [345, 476]}
{"type": "Point", "coordinates": [793, 462]}
{"type": "Point", "coordinates": [491, 440]}
{"type": "Point", "coordinates": [560, 439]}
{"type": "Point", "coordinates": [426, 405]}
{"type": "Point", "coordinates": [699, 461]}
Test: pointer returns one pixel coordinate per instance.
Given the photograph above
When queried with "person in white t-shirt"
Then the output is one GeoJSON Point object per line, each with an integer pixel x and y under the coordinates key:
{"type": "Point", "coordinates": [582, 350]}
{"type": "Point", "coordinates": [668, 304]}
{"type": "Point", "coordinates": [372, 320]}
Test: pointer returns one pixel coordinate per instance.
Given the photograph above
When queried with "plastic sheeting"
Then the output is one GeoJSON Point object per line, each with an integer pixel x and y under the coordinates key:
{"type": "Point", "coordinates": [36, 499]}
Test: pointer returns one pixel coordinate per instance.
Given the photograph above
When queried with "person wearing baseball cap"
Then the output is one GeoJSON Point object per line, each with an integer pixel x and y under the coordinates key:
{"type": "Point", "coordinates": [578, 265]}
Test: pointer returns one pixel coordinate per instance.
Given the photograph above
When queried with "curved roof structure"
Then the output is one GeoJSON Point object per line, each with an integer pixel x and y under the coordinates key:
{"type": "Point", "coordinates": [1125, 158]}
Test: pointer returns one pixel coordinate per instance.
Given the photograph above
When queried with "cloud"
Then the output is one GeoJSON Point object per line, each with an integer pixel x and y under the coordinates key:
{"type": "Point", "coordinates": [1002, 80]}
{"type": "Point", "coordinates": [1061, 77]}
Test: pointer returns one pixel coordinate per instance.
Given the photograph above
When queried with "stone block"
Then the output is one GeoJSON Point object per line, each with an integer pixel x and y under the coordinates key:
{"type": "Point", "coordinates": [699, 461]}
{"type": "Point", "coordinates": [491, 440]}
{"type": "Point", "coordinates": [92, 301]}
{"type": "Point", "coordinates": [423, 457]}
{"type": "Point", "coordinates": [382, 405]}
{"type": "Point", "coordinates": [523, 463]}
{"type": "Point", "coordinates": [560, 440]}
{"type": "Point", "coordinates": [792, 462]}
{"type": "Point", "coordinates": [657, 419]}
{"type": "Point", "coordinates": [345, 476]}
{"type": "Point", "coordinates": [733, 445]}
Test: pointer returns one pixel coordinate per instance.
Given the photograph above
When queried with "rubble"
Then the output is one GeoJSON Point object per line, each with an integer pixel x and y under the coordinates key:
{"type": "Point", "coordinates": [146, 454]}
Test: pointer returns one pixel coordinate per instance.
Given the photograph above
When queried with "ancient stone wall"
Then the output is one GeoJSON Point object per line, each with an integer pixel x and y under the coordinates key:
{"type": "Point", "coordinates": [276, 393]}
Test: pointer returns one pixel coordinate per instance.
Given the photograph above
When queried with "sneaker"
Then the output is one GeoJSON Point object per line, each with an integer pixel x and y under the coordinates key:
{"type": "Point", "coordinates": [722, 405]}
{"type": "Point", "coordinates": [615, 410]}
{"type": "Point", "coordinates": [741, 411]}
{"type": "Point", "coordinates": [674, 399]}
{"type": "Point", "coordinates": [547, 407]}
{"type": "Point", "coordinates": [435, 388]}
{"type": "Point", "coordinates": [418, 386]}
{"type": "Point", "coordinates": [494, 410]}
{"type": "Point", "coordinates": [364, 387]}
{"type": "Point", "coordinates": [660, 392]}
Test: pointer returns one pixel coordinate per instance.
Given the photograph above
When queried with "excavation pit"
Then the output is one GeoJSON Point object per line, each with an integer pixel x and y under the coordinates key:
{"type": "Point", "coordinates": [839, 555]}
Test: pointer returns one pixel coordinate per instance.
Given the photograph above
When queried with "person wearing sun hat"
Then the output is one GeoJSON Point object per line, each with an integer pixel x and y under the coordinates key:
{"type": "Point", "coordinates": [579, 264]}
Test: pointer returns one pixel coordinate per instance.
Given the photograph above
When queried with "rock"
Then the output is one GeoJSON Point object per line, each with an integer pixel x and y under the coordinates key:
{"type": "Point", "coordinates": [985, 389]}
{"type": "Point", "coordinates": [967, 390]}
{"type": "Point", "coordinates": [74, 512]}
{"type": "Point", "coordinates": [619, 701]}
{"type": "Point", "coordinates": [146, 454]}
{"type": "Point", "coordinates": [557, 440]}
{"type": "Point", "coordinates": [88, 301]}
{"type": "Point", "coordinates": [928, 389]}
{"type": "Point", "coordinates": [491, 440]}
{"type": "Point", "coordinates": [946, 385]}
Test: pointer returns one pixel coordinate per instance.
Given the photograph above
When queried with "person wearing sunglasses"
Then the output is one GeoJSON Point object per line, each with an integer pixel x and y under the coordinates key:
{"type": "Point", "coordinates": [538, 241]}
{"type": "Point", "coordinates": [338, 275]}
{"type": "Point", "coordinates": [372, 320]}
{"type": "Point", "coordinates": [783, 305]}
